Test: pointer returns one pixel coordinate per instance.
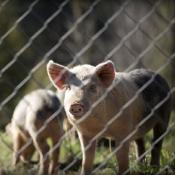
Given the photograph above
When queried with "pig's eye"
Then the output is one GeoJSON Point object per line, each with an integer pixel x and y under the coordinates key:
{"type": "Point", "coordinates": [93, 88]}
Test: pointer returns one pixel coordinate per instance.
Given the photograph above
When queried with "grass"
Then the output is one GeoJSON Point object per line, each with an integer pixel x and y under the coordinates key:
{"type": "Point", "coordinates": [70, 149]}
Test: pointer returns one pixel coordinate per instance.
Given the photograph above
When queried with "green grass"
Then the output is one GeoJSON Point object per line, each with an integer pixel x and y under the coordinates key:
{"type": "Point", "coordinates": [70, 149]}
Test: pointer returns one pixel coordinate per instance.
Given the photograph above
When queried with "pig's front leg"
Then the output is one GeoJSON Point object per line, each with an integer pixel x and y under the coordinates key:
{"type": "Point", "coordinates": [88, 151]}
{"type": "Point", "coordinates": [123, 158]}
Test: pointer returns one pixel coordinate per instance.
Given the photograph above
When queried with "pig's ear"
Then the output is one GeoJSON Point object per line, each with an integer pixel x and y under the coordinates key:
{"type": "Point", "coordinates": [58, 74]}
{"type": "Point", "coordinates": [106, 73]}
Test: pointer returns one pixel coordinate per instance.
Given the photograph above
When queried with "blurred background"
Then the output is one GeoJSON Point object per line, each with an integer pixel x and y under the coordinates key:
{"type": "Point", "coordinates": [132, 33]}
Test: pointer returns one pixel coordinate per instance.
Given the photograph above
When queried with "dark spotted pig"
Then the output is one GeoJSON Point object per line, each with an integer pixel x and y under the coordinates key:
{"type": "Point", "coordinates": [29, 116]}
{"type": "Point", "coordinates": [85, 84]}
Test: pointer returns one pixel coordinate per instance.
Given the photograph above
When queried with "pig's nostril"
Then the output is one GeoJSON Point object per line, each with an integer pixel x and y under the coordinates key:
{"type": "Point", "coordinates": [77, 109]}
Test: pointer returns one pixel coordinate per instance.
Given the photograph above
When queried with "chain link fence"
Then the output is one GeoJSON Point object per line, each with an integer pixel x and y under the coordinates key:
{"type": "Point", "coordinates": [133, 34]}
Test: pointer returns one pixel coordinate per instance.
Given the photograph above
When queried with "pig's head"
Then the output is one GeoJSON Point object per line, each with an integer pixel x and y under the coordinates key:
{"type": "Point", "coordinates": [83, 84]}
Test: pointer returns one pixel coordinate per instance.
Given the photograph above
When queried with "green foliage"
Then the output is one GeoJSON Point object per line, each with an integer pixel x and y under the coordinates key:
{"type": "Point", "coordinates": [70, 149]}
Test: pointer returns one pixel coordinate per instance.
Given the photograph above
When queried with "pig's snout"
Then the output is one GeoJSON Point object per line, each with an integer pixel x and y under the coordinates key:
{"type": "Point", "coordinates": [77, 109]}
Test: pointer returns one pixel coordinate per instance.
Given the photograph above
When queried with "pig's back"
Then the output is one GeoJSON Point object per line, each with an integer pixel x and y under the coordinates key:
{"type": "Point", "coordinates": [138, 105]}
{"type": "Point", "coordinates": [43, 99]}
{"type": "Point", "coordinates": [156, 88]}
{"type": "Point", "coordinates": [40, 102]}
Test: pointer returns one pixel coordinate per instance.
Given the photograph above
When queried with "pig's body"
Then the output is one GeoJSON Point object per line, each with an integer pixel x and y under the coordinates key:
{"type": "Point", "coordinates": [87, 84]}
{"type": "Point", "coordinates": [32, 113]}
{"type": "Point", "coordinates": [127, 85]}
{"type": "Point", "coordinates": [113, 103]}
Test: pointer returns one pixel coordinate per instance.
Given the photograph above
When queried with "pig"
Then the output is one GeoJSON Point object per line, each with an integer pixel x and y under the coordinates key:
{"type": "Point", "coordinates": [40, 108]}
{"type": "Point", "coordinates": [26, 153]}
{"type": "Point", "coordinates": [85, 84]}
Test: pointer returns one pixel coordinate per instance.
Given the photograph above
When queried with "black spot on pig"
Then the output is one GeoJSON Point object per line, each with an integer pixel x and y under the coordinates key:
{"type": "Point", "coordinates": [156, 88]}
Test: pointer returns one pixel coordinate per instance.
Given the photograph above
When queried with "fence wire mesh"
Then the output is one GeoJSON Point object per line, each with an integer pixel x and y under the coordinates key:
{"type": "Point", "coordinates": [133, 34]}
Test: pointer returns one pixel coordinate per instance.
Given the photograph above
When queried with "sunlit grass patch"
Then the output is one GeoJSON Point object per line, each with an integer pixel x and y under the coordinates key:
{"type": "Point", "coordinates": [70, 150]}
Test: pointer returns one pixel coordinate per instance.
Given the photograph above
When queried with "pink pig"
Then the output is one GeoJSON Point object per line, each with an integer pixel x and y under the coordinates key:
{"type": "Point", "coordinates": [85, 84]}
